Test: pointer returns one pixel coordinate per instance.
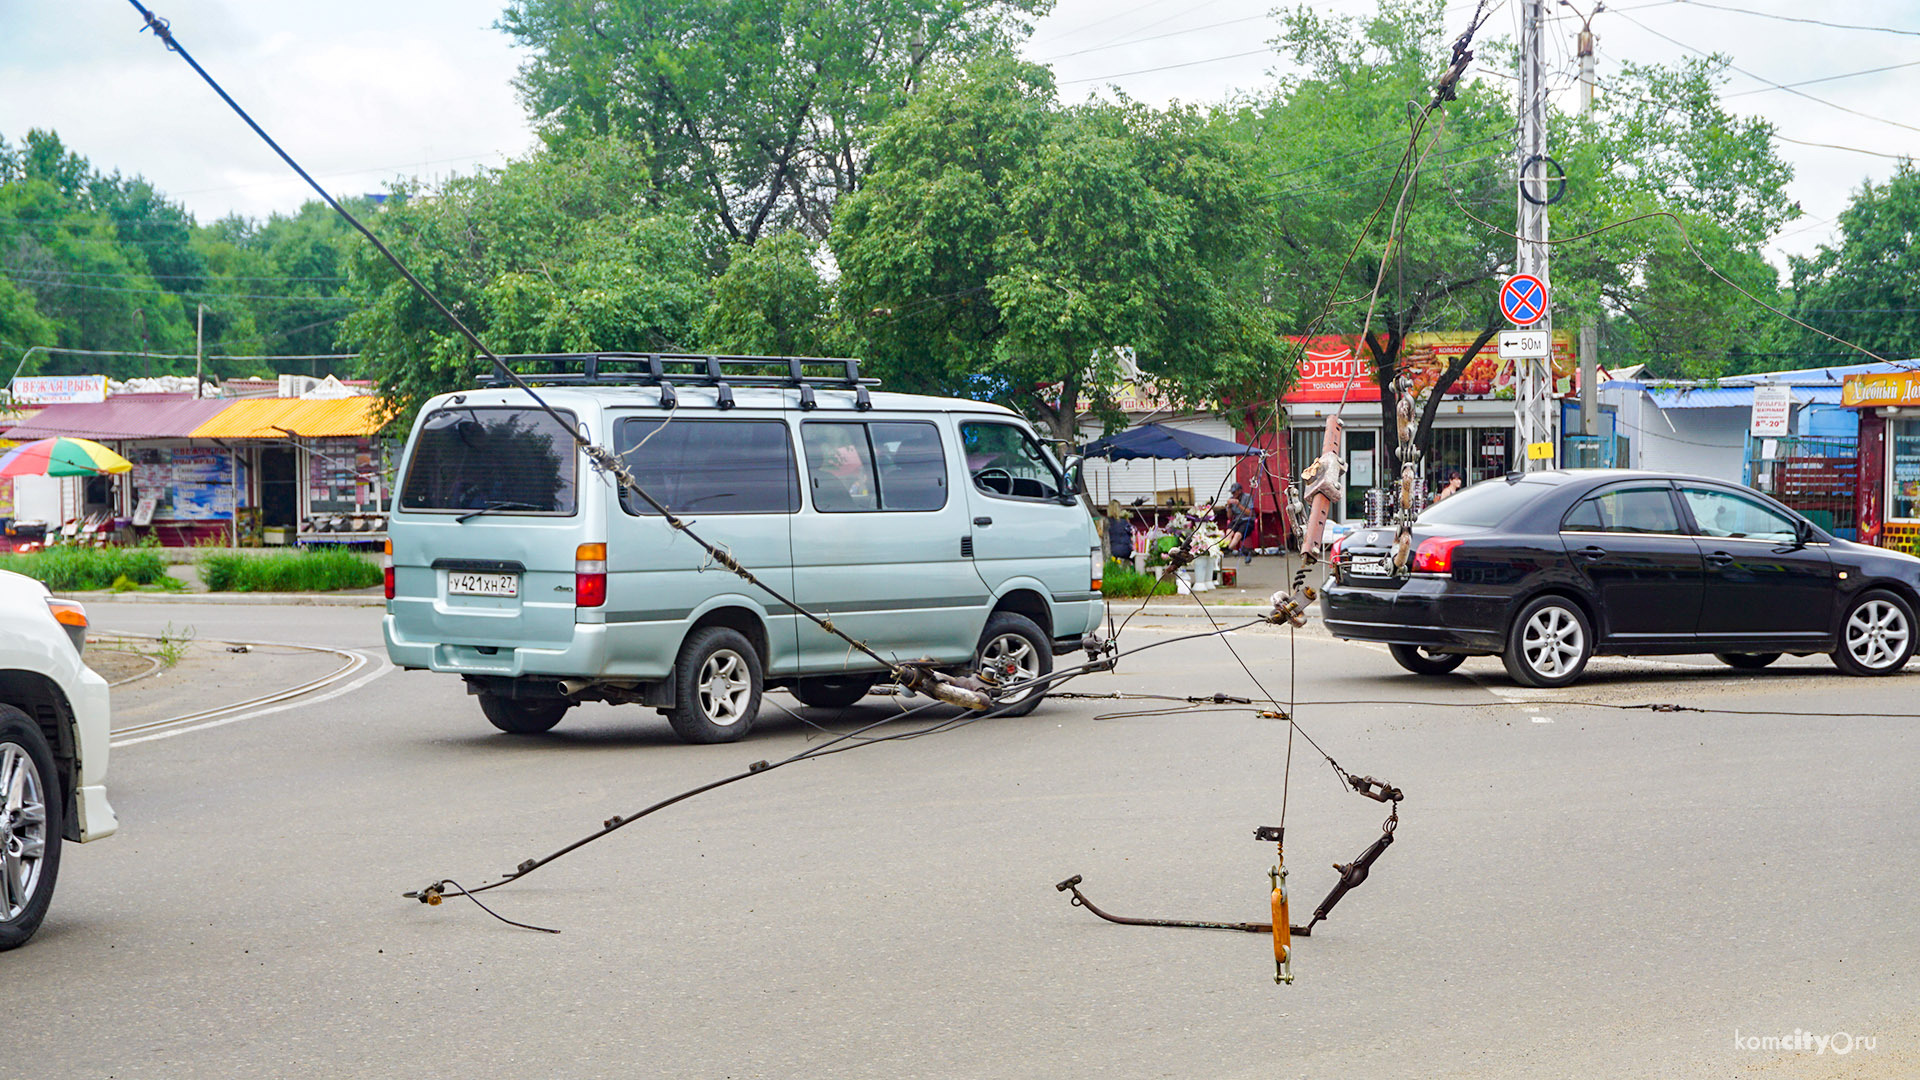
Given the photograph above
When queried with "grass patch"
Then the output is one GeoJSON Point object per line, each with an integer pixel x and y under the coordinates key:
{"type": "Point", "coordinates": [74, 569]}
{"type": "Point", "coordinates": [307, 571]}
{"type": "Point", "coordinates": [1120, 581]}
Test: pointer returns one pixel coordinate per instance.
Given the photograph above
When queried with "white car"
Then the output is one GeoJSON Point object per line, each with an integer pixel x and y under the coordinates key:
{"type": "Point", "coordinates": [53, 749]}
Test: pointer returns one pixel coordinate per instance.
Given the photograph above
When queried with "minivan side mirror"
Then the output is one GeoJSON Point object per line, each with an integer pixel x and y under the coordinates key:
{"type": "Point", "coordinates": [1802, 533]}
{"type": "Point", "coordinates": [1076, 475]}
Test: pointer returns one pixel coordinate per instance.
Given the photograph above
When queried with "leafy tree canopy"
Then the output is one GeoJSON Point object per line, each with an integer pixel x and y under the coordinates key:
{"type": "Point", "coordinates": [562, 252]}
{"type": "Point", "coordinates": [1003, 243]}
{"type": "Point", "coordinates": [759, 111]}
{"type": "Point", "coordinates": [1863, 288]}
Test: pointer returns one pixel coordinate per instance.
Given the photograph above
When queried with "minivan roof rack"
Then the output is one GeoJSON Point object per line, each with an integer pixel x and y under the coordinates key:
{"type": "Point", "coordinates": [686, 369]}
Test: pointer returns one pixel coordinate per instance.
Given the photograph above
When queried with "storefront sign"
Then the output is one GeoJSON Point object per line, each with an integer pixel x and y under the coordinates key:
{"type": "Point", "coordinates": [59, 389]}
{"type": "Point", "coordinates": [1883, 388]}
{"type": "Point", "coordinates": [1332, 367]}
{"type": "Point", "coordinates": [1772, 411]}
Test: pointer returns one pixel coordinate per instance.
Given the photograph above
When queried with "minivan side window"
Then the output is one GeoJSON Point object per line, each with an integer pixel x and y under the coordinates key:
{"type": "Point", "coordinates": [840, 467]}
{"type": "Point", "coordinates": [709, 466]}
{"type": "Point", "coordinates": [1003, 460]}
{"type": "Point", "coordinates": [516, 461]}
{"type": "Point", "coordinates": [1625, 510]}
{"type": "Point", "coordinates": [882, 465]}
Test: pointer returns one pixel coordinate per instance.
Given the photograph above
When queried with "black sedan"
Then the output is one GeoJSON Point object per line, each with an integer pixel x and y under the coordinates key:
{"type": "Point", "coordinates": [1546, 569]}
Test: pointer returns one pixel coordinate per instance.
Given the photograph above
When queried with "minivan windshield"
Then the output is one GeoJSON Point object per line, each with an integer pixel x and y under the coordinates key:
{"type": "Point", "coordinates": [1486, 503]}
{"type": "Point", "coordinates": [504, 460]}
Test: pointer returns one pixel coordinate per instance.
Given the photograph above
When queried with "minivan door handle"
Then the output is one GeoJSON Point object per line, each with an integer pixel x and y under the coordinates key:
{"type": "Point", "coordinates": [1719, 558]}
{"type": "Point", "coordinates": [1592, 551]}
{"type": "Point", "coordinates": [983, 521]}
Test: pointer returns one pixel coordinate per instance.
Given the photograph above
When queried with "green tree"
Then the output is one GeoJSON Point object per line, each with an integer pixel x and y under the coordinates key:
{"type": "Point", "coordinates": [1661, 141]}
{"type": "Point", "coordinates": [1864, 289]}
{"type": "Point", "coordinates": [557, 253]}
{"type": "Point", "coordinates": [1380, 222]}
{"type": "Point", "coordinates": [760, 111]}
{"type": "Point", "coordinates": [1007, 247]}
{"type": "Point", "coordinates": [772, 301]}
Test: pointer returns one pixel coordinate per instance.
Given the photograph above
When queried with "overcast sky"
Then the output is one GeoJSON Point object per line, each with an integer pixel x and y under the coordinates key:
{"type": "Point", "coordinates": [363, 92]}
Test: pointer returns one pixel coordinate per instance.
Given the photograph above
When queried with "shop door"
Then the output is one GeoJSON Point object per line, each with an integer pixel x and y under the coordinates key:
{"type": "Point", "coordinates": [1362, 465]}
{"type": "Point", "coordinates": [279, 487]}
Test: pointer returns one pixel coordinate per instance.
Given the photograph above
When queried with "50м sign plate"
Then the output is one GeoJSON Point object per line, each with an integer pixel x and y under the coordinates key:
{"type": "Point", "coordinates": [1525, 345]}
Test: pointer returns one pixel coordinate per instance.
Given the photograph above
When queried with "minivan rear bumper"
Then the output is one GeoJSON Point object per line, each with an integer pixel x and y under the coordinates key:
{"type": "Point", "coordinates": [586, 654]}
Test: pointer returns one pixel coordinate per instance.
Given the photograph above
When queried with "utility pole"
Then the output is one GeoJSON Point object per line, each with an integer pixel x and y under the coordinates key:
{"type": "Point", "coordinates": [1589, 329]}
{"type": "Point", "coordinates": [1533, 402]}
{"type": "Point", "coordinates": [199, 347]}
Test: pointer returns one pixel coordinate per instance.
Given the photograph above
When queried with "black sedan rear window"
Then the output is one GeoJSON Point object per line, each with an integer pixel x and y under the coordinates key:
{"type": "Point", "coordinates": [1487, 503]}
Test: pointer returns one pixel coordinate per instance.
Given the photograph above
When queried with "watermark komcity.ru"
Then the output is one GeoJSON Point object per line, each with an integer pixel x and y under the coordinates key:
{"type": "Point", "coordinates": [1839, 1042]}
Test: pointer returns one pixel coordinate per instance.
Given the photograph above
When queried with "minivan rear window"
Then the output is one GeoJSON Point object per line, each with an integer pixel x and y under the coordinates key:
{"type": "Point", "coordinates": [508, 460]}
{"type": "Point", "coordinates": [709, 466]}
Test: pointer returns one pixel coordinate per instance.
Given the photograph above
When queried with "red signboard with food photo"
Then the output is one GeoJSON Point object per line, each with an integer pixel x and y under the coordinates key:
{"type": "Point", "coordinates": [1333, 365]}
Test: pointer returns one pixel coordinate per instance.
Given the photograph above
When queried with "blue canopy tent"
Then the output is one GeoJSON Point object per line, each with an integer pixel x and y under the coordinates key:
{"type": "Point", "coordinates": [1159, 441]}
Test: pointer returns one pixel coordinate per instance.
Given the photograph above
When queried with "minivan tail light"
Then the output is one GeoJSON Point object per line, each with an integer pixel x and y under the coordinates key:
{"type": "Point", "coordinates": [1098, 567]}
{"type": "Point", "coordinates": [386, 568]}
{"type": "Point", "coordinates": [1333, 553]}
{"type": "Point", "coordinates": [590, 575]}
{"type": "Point", "coordinates": [1435, 555]}
{"type": "Point", "coordinates": [72, 618]}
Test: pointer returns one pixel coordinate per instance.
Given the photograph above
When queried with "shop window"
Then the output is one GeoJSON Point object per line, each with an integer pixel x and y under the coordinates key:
{"type": "Point", "coordinates": [1904, 501]}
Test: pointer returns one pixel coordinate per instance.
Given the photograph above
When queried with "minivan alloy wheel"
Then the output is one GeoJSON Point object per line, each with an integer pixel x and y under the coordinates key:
{"type": "Point", "coordinates": [23, 829]}
{"type": "Point", "coordinates": [725, 687]}
{"type": "Point", "coordinates": [1877, 633]}
{"type": "Point", "coordinates": [1011, 658]}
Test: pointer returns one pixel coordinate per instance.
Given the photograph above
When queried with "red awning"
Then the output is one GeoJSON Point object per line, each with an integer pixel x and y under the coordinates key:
{"type": "Point", "coordinates": [129, 416]}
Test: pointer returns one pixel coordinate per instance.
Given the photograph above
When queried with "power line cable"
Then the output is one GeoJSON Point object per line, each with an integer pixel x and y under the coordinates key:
{"type": "Point", "coordinates": [1793, 18]}
{"type": "Point", "coordinates": [1775, 85]}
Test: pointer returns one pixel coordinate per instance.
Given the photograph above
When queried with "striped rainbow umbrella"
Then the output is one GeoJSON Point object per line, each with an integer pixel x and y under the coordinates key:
{"type": "Point", "coordinates": [61, 456]}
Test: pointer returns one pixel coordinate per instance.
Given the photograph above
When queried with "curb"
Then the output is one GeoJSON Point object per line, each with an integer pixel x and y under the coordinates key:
{"type": "Point", "coordinates": [237, 599]}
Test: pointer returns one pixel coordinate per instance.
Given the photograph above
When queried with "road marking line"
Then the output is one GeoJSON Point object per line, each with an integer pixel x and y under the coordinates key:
{"type": "Point", "coordinates": [381, 667]}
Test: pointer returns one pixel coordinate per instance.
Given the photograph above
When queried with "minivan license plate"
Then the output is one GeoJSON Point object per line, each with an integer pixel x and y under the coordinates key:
{"type": "Point", "coordinates": [460, 584]}
{"type": "Point", "coordinates": [1369, 566]}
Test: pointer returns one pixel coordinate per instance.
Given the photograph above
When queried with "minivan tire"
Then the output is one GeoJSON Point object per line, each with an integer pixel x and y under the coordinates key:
{"type": "Point", "coordinates": [717, 685]}
{"type": "Point", "coordinates": [1876, 635]}
{"type": "Point", "coordinates": [1549, 643]}
{"type": "Point", "coordinates": [523, 717]}
{"type": "Point", "coordinates": [31, 832]}
{"type": "Point", "coordinates": [832, 691]}
{"type": "Point", "coordinates": [1015, 641]}
{"type": "Point", "coordinates": [1422, 661]}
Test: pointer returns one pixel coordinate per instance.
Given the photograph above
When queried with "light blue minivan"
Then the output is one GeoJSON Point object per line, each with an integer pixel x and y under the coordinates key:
{"type": "Point", "coordinates": [929, 528]}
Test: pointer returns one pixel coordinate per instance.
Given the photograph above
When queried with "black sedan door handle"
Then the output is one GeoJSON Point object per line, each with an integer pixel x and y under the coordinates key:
{"type": "Point", "coordinates": [983, 521]}
{"type": "Point", "coordinates": [1592, 551]}
{"type": "Point", "coordinates": [1719, 558]}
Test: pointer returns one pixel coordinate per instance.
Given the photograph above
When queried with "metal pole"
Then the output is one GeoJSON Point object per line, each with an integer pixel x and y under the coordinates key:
{"type": "Point", "coordinates": [199, 346]}
{"type": "Point", "coordinates": [1533, 397]}
{"type": "Point", "coordinates": [1589, 328]}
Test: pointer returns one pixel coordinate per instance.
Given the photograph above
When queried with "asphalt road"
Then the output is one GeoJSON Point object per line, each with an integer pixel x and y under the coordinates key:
{"type": "Point", "coordinates": [1576, 890]}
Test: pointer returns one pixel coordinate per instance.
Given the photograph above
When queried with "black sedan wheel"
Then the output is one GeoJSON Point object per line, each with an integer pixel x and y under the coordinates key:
{"type": "Point", "coordinates": [1746, 661]}
{"type": "Point", "coordinates": [1549, 643]}
{"type": "Point", "coordinates": [1876, 638]}
{"type": "Point", "coordinates": [1424, 661]}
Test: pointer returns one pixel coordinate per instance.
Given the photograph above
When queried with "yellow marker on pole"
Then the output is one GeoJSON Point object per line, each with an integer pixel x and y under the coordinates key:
{"type": "Point", "coordinates": [1540, 451]}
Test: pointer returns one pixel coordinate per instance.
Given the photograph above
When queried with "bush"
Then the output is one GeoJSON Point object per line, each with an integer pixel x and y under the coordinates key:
{"type": "Point", "coordinates": [1120, 580]}
{"type": "Point", "coordinates": [74, 569]}
{"type": "Point", "coordinates": [307, 571]}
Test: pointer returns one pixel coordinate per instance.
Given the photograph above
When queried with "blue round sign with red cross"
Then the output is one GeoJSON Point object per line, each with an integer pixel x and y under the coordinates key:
{"type": "Point", "coordinates": [1523, 299]}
